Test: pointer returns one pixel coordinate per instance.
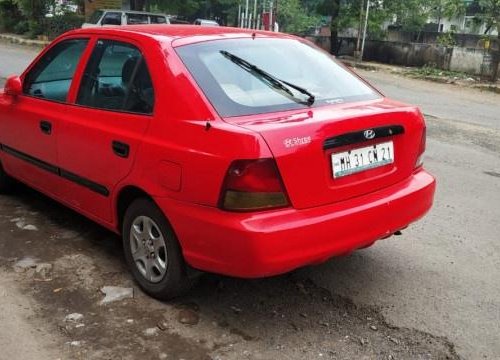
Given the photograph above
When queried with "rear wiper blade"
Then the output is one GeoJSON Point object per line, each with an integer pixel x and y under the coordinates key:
{"type": "Point", "coordinates": [271, 80]}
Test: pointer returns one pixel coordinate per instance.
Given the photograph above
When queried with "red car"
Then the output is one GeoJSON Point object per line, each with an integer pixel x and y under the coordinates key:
{"type": "Point", "coordinates": [238, 152]}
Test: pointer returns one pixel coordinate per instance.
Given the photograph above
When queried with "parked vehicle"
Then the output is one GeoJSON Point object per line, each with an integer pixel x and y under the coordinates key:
{"type": "Point", "coordinates": [233, 151]}
{"type": "Point", "coordinates": [175, 19]}
{"type": "Point", "coordinates": [124, 17]}
{"type": "Point", "coordinates": [205, 22]}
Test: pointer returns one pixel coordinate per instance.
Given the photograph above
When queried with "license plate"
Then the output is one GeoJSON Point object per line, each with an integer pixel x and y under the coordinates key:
{"type": "Point", "coordinates": [369, 157]}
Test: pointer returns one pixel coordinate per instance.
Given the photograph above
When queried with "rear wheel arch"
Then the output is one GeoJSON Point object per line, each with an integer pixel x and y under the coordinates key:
{"type": "Point", "coordinates": [125, 198]}
{"type": "Point", "coordinates": [174, 277]}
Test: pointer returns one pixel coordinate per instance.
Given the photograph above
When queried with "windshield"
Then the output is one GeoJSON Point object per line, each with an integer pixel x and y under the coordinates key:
{"type": "Point", "coordinates": [235, 91]}
{"type": "Point", "coordinates": [96, 16]}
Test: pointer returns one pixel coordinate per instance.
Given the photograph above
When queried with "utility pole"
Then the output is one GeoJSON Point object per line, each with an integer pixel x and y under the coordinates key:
{"type": "Point", "coordinates": [364, 31]}
{"type": "Point", "coordinates": [276, 15]}
{"type": "Point", "coordinates": [254, 14]}
{"type": "Point", "coordinates": [360, 28]}
{"type": "Point", "coordinates": [246, 15]}
{"type": "Point", "coordinates": [239, 16]}
{"type": "Point", "coordinates": [271, 22]}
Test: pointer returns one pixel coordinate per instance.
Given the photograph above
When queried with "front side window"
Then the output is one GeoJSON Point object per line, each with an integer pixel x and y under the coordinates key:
{"type": "Point", "coordinates": [117, 78]}
{"type": "Point", "coordinates": [134, 19]}
{"type": "Point", "coordinates": [51, 77]}
{"type": "Point", "coordinates": [112, 18]}
{"type": "Point", "coordinates": [225, 70]}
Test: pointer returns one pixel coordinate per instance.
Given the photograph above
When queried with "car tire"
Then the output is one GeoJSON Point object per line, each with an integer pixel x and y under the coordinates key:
{"type": "Point", "coordinates": [152, 251]}
{"type": "Point", "coordinates": [5, 181]}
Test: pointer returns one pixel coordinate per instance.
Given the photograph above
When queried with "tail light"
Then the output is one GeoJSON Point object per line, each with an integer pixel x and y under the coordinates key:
{"type": "Point", "coordinates": [253, 185]}
{"type": "Point", "coordinates": [421, 150]}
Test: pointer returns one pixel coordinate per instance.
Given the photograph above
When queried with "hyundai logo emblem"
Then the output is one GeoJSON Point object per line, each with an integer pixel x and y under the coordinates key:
{"type": "Point", "coordinates": [369, 134]}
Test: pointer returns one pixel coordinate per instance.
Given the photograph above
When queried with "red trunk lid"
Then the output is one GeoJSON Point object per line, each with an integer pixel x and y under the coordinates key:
{"type": "Point", "coordinates": [302, 143]}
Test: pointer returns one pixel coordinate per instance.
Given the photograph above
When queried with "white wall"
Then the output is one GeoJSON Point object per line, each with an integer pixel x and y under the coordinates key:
{"type": "Point", "coordinates": [467, 60]}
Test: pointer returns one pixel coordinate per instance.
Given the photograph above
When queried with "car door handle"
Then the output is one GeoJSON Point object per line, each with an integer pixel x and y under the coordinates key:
{"type": "Point", "coordinates": [46, 127]}
{"type": "Point", "coordinates": [121, 149]}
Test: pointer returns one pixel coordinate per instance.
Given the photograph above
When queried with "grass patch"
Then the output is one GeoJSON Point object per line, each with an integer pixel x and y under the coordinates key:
{"type": "Point", "coordinates": [435, 73]}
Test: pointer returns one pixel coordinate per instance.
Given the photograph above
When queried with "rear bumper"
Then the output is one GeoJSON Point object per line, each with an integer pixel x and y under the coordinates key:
{"type": "Point", "coordinates": [273, 242]}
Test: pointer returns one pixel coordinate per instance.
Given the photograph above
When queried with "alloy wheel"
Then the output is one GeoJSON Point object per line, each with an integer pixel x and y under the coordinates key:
{"type": "Point", "coordinates": [148, 249]}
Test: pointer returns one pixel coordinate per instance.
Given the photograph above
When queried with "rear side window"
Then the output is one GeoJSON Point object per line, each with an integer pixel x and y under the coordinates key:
{"type": "Point", "coordinates": [51, 77]}
{"type": "Point", "coordinates": [117, 78]}
{"type": "Point", "coordinates": [134, 19]}
{"type": "Point", "coordinates": [158, 19]}
{"type": "Point", "coordinates": [112, 18]}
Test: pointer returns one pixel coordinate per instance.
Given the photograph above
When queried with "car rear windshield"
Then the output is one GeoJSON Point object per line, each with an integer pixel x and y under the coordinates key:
{"type": "Point", "coordinates": [235, 88]}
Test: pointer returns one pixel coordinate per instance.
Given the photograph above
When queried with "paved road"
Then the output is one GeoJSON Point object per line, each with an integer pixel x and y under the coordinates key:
{"type": "Point", "coordinates": [441, 100]}
{"type": "Point", "coordinates": [14, 59]}
{"type": "Point", "coordinates": [440, 276]}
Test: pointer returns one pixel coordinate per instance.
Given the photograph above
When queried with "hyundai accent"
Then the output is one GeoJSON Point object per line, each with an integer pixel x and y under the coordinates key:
{"type": "Point", "coordinates": [239, 152]}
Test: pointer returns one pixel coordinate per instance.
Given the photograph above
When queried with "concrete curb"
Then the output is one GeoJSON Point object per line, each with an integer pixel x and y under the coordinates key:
{"type": "Point", "coordinates": [17, 39]}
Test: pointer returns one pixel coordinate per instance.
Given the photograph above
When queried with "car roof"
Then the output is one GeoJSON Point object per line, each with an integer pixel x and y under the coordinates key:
{"type": "Point", "coordinates": [170, 33]}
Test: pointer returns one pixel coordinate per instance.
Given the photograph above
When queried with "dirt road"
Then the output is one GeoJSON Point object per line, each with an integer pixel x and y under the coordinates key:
{"type": "Point", "coordinates": [23, 335]}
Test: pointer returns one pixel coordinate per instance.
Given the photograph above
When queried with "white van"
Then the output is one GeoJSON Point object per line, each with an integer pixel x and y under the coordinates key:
{"type": "Point", "coordinates": [103, 17]}
{"type": "Point", "coordinates": [205, 22]}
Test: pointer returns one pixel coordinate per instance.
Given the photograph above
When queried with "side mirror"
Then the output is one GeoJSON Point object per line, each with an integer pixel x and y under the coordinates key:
{"type": "Point", "coordinates": [13, 86]}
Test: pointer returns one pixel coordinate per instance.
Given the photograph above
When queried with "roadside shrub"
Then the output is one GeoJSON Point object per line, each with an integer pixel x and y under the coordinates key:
{"type": "Point", "coordinates": [10, 16]}
{"type": "Point", "coordinates": [59, 24]}
{"type": "Point", "coordinates": [22, 27]}
{"type": "Point", "coordinates": [35, 28]}
{"type": "Point", "coordinates": [432, 71]}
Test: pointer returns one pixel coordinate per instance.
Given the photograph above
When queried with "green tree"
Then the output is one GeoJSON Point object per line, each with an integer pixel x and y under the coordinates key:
{"type": "Point", "coordinates": [334, 27]}
{"type": "Point", "coordinates": [10, 16]}
{"type": "Point", "coordinates": [331, 8]}
{"type": "Point", "coordinates": [490, 14]}
{"type": "Point", "coordinates": [293, 17]}
{"type": "Point", "coordinates": [450, 8]}
{"type": "Point", "coordinates": [352, 15]}
{"type": "Point", "coordinates": [35, 10]}
{"type": "Point", "coordinates": [410, 15]}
